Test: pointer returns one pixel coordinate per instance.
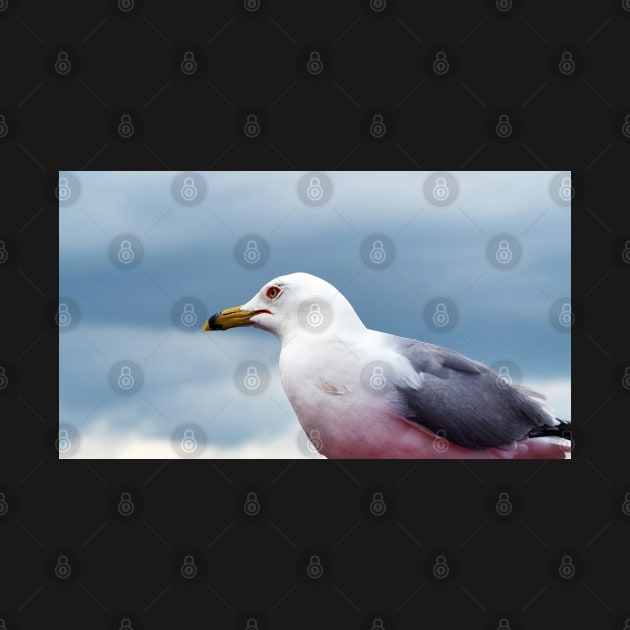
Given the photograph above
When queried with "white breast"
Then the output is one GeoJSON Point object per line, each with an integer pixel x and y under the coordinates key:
{"type": "Point", "coordinates": [321, 376]}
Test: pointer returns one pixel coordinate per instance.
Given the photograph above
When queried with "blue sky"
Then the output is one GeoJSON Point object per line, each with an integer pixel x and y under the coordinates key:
{"type": "Point", "coordinates": [192, 253]}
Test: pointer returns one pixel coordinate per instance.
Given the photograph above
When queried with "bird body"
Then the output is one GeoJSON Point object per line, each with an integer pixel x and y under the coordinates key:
{"type": "Point", "coordinates": [361, 393]}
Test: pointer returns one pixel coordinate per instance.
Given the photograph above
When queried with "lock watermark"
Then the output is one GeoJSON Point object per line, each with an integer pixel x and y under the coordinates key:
{"type": "Point", "coordinates": [503, 504]}
{"type": "Point", "coordinates": [314, 188]}
{"type": "Point", "coordinates": [130, 622]}
{"type": "Point", "coordinates": [310, 442]}
{"type": "Point", "coordinates": [189, 188]}
{"type": "Point", "coordinates": [251, 6]}
{"type": "Point", "coordinates": [441, 65]}
{"type": "Point", "coordinates": [188, 440]}
{"type": "Point", "coordinates": [439, 567]}
{"type": "Point", "coordinates": [4, 126]}
{"type": "Point", "coordinates": [64, 566]}
{"type": "Point", "coordinates": [252, 378]}
{"type": "Point", "coordinates": [315, 315]}
{"type": "Point", "coordinates": [126, 127]}
{"type": "Point", "coordinates": [249, 623]}
{"type": "Point", "coordinates": [440, 443]}
{"type": "Point", "coordinates": [566, 567]}
{"type": "Point", "coordinates": [126, 251]}
{"type": "Point", "coordinates": [188, 314]}
{"type": "Point", "coordinates": [503, 125]}
{"type": "Point", "coordinates": [68, 189]}
{"type": "Point", "coordinates": [561, 314]}
{"type": "Point", "coordinates": [250, 504]}
{"type": "Point", "coordinates": [379, 621]}
{"type": "Point", "coordinates": [125, 7]}
{"type": "Point", "coordinates": [441, 188]}
{"type": "Point", "coordinates": [68, 315]}
{"type": "Point", "coordinates": [378, 128]}
{"type": "Point", "coordinates": [503, 128]}
{"type": "Point", "coordinates": [63, 63]}
{"type": "Point", "coordinates": [315, 566]}
{"type": "Point", "coordinates": [314, 63]}
{"type": "Point", "coordinates": [504, 251]}
{"type": "Point", "coordinates": [251, 127]}
{"type": "Point", "coordinates": [126, 377]}
{"type": "Point", "coordinates": [378, 504]}
{"type": "Point", "coordinates": [125, 506]}
{"type": "Point", "coordinates": [377, 125]}
{"type": "Point", "coordinates": [377, 377]}
{"type": "Point", "coordinates": [7, 505]}
{"type": "Point", "coordinates": [188, 65]}
{"type": "Point", "coordinates": [503, 7]}
{"type": "Point", "coordinates": [566, 63]}
{"type": "Point", "coordinates": [67, 441]}
{"type": "Point", "coordinates": [507, 620]}
{"type": "Point", "coordinates": [378, 6]}
{"type": "Point", "coordinates": [441, 314]}
{"type": "Point", "coordinates": [189, 566]}
{"type": "Point", "coordinates": [377, 251]}
{"type": "Point", "coordinates": [4, 254]}
{"type": "Point", "coordinates": [561, 189]}
{"type": "Point", "coordinates": [252, 251]}
{"type": "Point", "coordinates": [507, 373]}
{"type": "Point", "coordinates": [4, 377]}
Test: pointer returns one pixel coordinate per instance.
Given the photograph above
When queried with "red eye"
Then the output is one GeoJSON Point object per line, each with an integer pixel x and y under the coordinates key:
{"type": "Point", "coordinates": [273, 292]}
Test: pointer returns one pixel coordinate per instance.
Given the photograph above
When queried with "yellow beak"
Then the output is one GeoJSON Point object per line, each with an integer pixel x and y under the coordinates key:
{"type": "Point", "coordinates": [230, 318]}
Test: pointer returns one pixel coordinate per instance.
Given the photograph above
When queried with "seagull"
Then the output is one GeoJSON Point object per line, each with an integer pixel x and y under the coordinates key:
{"type": "Point", "coordinates": [364, 394]}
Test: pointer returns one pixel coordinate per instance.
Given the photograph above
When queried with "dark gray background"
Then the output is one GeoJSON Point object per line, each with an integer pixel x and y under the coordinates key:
{"type": "Point", "coordinates": [254, 566]}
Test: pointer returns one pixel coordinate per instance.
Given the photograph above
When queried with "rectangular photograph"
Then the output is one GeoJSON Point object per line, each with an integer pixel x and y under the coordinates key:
{"type": "Point", "coordinates": [312, 315]}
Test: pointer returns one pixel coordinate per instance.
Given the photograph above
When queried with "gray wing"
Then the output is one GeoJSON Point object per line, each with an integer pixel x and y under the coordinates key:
{"type": "Point", "coordinates": [465, 400]}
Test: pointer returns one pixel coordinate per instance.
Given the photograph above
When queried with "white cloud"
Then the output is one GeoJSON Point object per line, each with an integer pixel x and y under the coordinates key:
{"type": "Point", "coordinates": [98, 442]}
{"type": "Point", "coordinates": [558, 393]}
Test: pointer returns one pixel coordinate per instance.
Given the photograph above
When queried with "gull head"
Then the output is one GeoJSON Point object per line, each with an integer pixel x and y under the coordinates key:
{"type": "Point", "coordinates": [288, 305]}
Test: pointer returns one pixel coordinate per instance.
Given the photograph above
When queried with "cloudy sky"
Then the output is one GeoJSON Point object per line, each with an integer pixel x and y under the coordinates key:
{"type": "Point", "coordinates": [146, 257]}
